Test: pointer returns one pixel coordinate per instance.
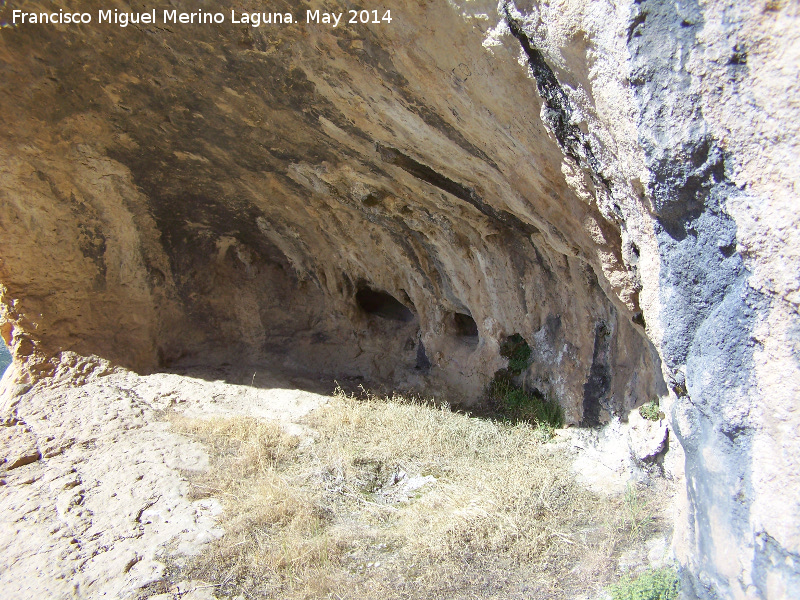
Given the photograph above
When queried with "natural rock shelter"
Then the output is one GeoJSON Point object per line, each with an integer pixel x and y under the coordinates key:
{"type": "Point", "coordinates": [593, 203]}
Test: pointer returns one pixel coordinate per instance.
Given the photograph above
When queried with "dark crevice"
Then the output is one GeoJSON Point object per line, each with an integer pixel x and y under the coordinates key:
{"type": "Point", "coordinates": [739, 55]}
{"type": "Point", "coordinates": [728, 250]}
{"type": "Point", "coordinates": [381, 304]}
{"type": "Point", "coordinates": [734, 432]}
{"type": "Point", "coordinates": [428, 175]}
{"type": "Point", "coordinates": [558, 112]}
{"type": "Point", "coordinates": [423, 362]}
{"type": "Point", "coordinates": [635, 22]}
{"type": "Point", "coordinates": [598, 385]}
{"type": "Point", "coordinates": [465, 325]}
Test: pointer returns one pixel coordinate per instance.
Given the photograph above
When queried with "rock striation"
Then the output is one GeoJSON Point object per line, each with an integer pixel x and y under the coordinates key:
{"type": "Point", "coordinates": [307, 192]}
{"type": "Point", "coordinates": [613, 181]}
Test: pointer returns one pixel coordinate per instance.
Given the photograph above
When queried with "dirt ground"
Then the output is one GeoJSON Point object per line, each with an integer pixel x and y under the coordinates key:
{"type": "Point", "coordinates": [206, 484]}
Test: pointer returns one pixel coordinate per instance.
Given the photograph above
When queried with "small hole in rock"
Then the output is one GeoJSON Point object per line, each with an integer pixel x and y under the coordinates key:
{"type": "Point", "coordinates": [465, 326]}
{"type": "Point", "coordinates": [383, 305]}
{"type": "Point", "coordinates": [728, 250]}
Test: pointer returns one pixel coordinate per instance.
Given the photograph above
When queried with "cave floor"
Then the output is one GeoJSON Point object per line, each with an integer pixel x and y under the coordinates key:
{"type": "Point", "coordinates": [245, 483]}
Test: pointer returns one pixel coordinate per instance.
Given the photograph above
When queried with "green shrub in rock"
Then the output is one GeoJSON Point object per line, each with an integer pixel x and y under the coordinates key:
{"type": "Point", "coordinates": [651, 411]}
{"type": "Point", "coordinates": [653, 584]}
{"type": "Point", "coordinates": [511, 402]}
{"type": "Point", "coordinates": [518, 353]}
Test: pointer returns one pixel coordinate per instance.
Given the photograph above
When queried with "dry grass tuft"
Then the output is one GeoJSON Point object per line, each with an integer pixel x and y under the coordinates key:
{"type": "Point", "coordinates": [399, 498]}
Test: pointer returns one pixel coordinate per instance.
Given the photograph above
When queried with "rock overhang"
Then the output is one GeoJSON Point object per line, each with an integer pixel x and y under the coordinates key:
{"type": "Point", "coordinates": [262, 173]}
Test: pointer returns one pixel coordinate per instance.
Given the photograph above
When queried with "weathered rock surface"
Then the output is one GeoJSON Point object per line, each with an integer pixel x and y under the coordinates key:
{"type": "Point", "coordinates": [615, 181]}
{"type": "Point", "coordinates": [611, 458]}
{"type": "Point", "coordinates": [256, 190]}
{"type": "Point", "coordinates": [647, 440]}
{"type": "Point", "coordinates": [90, 519]}
{"type": "Point", "coordinates": [108, 503]}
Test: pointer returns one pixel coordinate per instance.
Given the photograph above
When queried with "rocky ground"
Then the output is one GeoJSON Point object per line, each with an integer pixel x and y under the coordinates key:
{"type": "Point", "coordinates": [96, 497]}
{"type": "Point", "coordinates": [93, 484]}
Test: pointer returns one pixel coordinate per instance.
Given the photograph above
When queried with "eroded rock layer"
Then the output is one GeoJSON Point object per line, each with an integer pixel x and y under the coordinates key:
{"type": "Point", "coordinates": [238, 188]}
{"type": "Point", "coordinates": [612, 181]}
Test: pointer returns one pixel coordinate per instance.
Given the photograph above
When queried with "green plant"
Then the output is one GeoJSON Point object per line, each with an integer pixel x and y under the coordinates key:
{"type": "Point", "coordinates": [511, 402]}
{"type": "Point", "coordinates": [638, 517]}
{"type": "Point", "coordinates": [544, 432]}
{"type": "Point", "coordinates": [653, 584]}
{"type": "Point", "coordinates": [518, 353]}
{"type": "Point", "coordinates": [650, 411]}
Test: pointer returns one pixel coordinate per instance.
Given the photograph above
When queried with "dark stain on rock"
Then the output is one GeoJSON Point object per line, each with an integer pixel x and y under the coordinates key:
{"type": "Point", "coordinates": [92, 244]}
{"type": "Point", "coordinates": [598, 385]}
{"type": "Point", "coordinates": [558, 111]}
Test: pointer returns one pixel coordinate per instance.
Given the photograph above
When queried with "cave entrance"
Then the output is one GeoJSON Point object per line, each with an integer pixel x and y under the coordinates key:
{"type": "Point", "coordinates": [383, 305]}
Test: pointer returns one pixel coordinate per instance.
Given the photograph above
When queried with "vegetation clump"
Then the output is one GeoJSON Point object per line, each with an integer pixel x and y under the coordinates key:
{"type": "Point", "coordinates": [509, 401]}
{"type": "Point", "coordinates": [638, 513]}
{"type": "Point", "coordinates": [518, 353]}
{"type": "Point", "coordinates": [397, 498]}
{"type": "Point", "coordinates": [653, 584]}
{"type": "Point", "coordinates": [651, 411]}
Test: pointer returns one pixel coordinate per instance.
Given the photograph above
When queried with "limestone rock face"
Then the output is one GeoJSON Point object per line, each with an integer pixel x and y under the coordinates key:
{"type": "Point", "coordinates": [324, 195]}
{"type": "Point", "coordinates": [614, 181]}
{"type": "Point", "coordinates": [647, 439]}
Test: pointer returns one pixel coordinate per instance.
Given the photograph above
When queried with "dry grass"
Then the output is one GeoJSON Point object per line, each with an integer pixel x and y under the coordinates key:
{"type": "Point", "coordinates": [499, 517]}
